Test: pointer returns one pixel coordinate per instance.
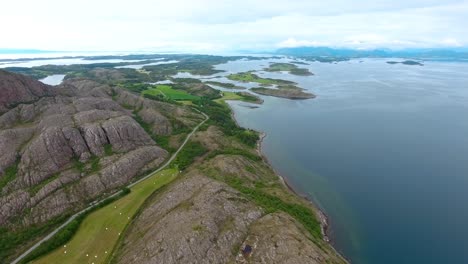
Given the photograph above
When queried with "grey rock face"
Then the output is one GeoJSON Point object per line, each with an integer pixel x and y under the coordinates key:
{"type": "Point", "coordinates": [277, 238]}
{"type": "Point", "coordinates": [125, 134]}
{"type": "Point", "coordinates": [77, 143]}
{"type": "Point", "coordinates": [95, 138]}
{"type": "Point", "coordinates": [15, 89]}
{"type": "Point", "coordinates": [50, 134]}
{"type": "Point", "coordinates": [10, 143]}
{"type": "Point", "coordinates": [160, 124]}
{"type": "Point", "coordinates": [201, 220]}
{"type": "Point", "coordinates": [12, 204]}
{"type": "Point", "coordinates": [46, 155]}
{"type": "Point", "coordinates": [198, 220]}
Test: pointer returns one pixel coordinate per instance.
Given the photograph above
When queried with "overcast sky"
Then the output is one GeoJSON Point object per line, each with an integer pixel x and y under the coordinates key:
{"type": "Point", "coordinates": [228, 25]}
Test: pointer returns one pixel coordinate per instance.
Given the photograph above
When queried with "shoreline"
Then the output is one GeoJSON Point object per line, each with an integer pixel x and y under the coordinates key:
{"type": "Point", "coordinates": [320, 214]}
{"type": "Point", "coordinates": [322, 217]}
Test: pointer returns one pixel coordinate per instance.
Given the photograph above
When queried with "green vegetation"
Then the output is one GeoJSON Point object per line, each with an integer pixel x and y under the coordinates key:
{"type": "Point", "coordinates": [10, 174]}
{"type": "Point", "coordinates": [90, 167]}
{"type": "Point", "coordinates": [406, 62]}
{"type": "Point", "coordinates": [247, 97]}
{"type": "Point", "coordinates": [95, 166]}
{"type": "Point", "coordinates": [11, 240]}
{"type": "Point", "coordinates": [34, 189]}
{"type": "Point", "coordinates": [136, 87]}
{"type": "Point", "coordinates": [220, 115]}
{"type": "Point", "coordinates": [196, 88]}
{"type": "Point", "coordinates": [225, 85]}
{"type": "Point", "coordinates": [99, 231]}
{"type": "Point", "coordinates": [272, 204]}
{"type": "Point", "coordinates": [234, 151]}
{"type": "Point", "coordinates": [240, 96]}
{"type": "Point", "coordinates": [80, 166]}
{"type": "Point", "coordinates": [170, 93]}
{"type": "Point", "coordinates": [62, 237]}
{"type": "Point", "coordinates": [188, 154]}
{"type": "Point", "coordinates": [251, 77]}
{"type": "Point", "coordinates": [67, 233]}
{"type": "Point", "coordinates": [285, 92]}
{"type": "Point", "coordinates": [108, 150]}
{"type": "Point", "coordinates": [228, 96]}
{"type": "Point", "coordinates": [198, 228]}
{"type": "Point", "coordinates": [161, 140]}
{"type": "Point", "coordinates": [291, 68]}
{"type": "Point", "coordinates": [194, 64]}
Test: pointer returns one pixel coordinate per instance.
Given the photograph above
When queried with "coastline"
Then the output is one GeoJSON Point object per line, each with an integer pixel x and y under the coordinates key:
{"type": "Point", "coordinates": [322, 217]}
{"type": "Point", "coordinates": [320, 214]}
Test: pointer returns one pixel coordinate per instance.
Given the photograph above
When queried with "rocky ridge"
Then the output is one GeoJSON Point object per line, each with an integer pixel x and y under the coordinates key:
{"type": "Point", "coordinates": [72, 143]}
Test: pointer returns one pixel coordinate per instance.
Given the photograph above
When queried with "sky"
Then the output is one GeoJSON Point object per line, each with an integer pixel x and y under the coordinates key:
{"type": "Point", "coordinates": [212, 26]}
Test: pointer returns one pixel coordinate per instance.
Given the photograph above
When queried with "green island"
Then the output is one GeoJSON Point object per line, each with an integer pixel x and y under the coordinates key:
{"type": "Point", "coordinates": [284, 92]}
{"type": "Point", "coordinates": [288, 67]}
{"type": "Point", "coordinates": [284, 88]}
{"type": "Point", "coordinates": [241, 96]}
{"type": "Point", "coordinates": [251, 77]}
{"type": "Point", "coordinates": [406, 62]}
{"type": "Point", "coordinates": [225, 85]}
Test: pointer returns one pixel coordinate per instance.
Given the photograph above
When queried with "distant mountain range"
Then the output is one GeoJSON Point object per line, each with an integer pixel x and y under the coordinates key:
{"type": "Point", "coordinates": [460, 54]}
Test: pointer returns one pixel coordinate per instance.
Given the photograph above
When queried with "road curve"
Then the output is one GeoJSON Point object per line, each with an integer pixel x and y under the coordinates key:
{"type": "Point", "coordinates": [17, 260]}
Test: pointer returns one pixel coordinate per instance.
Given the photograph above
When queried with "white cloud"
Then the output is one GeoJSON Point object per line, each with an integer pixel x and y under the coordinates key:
{"type": "Point", "coordinates": [451, 42]}
{"type": "Point", "coordinates": [209, 25]}
{"type": "Point", "coordinates": [292, 42]}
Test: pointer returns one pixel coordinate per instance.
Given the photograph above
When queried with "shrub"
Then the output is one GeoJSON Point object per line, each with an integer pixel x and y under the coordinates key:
{"type": "Point", "coordinates": [188, 154]}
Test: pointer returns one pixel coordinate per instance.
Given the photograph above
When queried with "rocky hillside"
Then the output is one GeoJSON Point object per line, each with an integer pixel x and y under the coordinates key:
{"type": "Point", "coordinates": [215, 214]}
{"type": "Point", "coordinates": [63, 147]}
{"type": "Point", "coordinates": [15, 89]}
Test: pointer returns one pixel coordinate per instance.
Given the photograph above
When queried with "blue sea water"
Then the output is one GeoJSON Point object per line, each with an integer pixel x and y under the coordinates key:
{"type": "Point", "coordinates": [383, 150]}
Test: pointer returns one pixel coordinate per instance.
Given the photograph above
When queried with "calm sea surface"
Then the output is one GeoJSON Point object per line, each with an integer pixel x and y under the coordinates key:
{"type": "Point", "coordinates": [383, 150]}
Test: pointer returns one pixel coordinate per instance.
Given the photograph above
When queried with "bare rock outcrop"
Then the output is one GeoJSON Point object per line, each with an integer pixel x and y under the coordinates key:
{"type": "Point", "coordinates": [201, 220]}
{"type": "Point", "coordinates": [15, 89]}
{"type": "Point", "coordinates": [278, 238]}
{"type": "Point", "coordinates": [55, 134]}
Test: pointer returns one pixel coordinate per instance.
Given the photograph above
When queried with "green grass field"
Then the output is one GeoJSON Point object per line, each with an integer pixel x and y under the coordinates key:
{"type": "Point", "coordinates": [235, 96]}
{"type": "Point", "coordinates": [100, 231]}
{"type": "Point", "coordinates": [170, 93]}
{"type": "Point", "coordinates": [229, 96]}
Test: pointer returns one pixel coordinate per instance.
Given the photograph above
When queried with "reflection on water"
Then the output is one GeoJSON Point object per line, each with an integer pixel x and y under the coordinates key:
{"type": "Point", "coordinates": [55, 79]}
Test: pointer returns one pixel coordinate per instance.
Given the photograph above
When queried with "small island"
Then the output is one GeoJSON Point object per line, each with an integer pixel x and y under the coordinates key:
{"type": "Point", "coordinates": [289, 92]}
{"type": "Point", "coordinates": [288, 67]}
{"type": "Point", "coordinates": [406, 62]}
{"type": "Point", "coordinates": [225, 85]}
{"type": "Point", "coordinates": [281, 88]}
{"type": "Point", "coordinates": [251, 77]}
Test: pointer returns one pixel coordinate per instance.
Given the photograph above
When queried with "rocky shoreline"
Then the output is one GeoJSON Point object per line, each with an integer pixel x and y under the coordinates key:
{"type": "Point", "coordinates": [322, 217]}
